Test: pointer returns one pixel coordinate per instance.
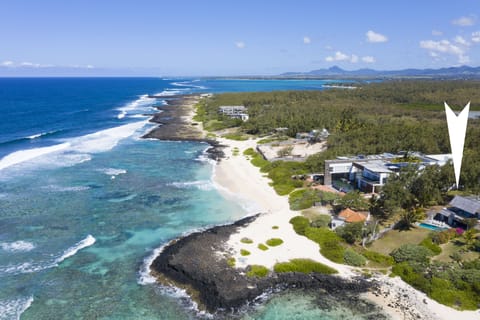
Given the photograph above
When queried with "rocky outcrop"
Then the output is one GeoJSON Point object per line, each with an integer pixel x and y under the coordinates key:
{"type": "Point", "coordinates": [196, 264]}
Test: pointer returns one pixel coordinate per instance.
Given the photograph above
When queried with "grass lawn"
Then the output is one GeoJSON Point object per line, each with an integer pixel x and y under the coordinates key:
{"type": "Point", "coordinates": [395, 238]}
{"type": "Point", "coordinates": [455, 246]}
{"type": "Point", "coordinates": [313, 213]}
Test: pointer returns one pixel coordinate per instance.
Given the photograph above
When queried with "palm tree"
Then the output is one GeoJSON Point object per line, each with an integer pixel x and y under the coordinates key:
{"type": "Point", "coordinates": [410, 216]}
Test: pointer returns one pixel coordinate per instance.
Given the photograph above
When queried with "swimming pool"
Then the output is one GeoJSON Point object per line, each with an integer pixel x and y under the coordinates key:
{"type": "Point", "coordinates": [431, 227]}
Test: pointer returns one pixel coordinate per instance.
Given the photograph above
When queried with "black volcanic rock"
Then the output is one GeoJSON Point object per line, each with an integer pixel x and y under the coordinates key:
{"type": "Point", "coordinates": [192, 262]}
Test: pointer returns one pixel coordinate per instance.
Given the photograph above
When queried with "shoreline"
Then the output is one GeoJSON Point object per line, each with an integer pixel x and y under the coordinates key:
{"type": "Point", "coordinates": [237, 179]}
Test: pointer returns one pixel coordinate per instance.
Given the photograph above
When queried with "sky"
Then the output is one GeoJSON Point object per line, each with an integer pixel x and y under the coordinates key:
{"type": "Point", "coordinates": [208, 38]}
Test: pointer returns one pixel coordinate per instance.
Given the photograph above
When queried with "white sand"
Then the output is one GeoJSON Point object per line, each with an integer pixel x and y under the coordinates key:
{"type": "Point", "coordinates": [237, 176]}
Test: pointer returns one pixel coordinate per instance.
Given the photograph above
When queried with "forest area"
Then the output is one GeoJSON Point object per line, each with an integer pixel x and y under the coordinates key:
{"type": "Point", "coordinates": [388, 116]}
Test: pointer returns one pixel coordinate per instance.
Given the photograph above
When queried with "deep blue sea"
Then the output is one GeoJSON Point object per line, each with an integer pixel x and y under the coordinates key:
{"type": "Point", "coordinates": [85, 202]}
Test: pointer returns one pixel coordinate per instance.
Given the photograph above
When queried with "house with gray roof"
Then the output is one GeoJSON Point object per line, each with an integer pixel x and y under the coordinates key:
{"type": "Point", "coordinates": [460, 208]}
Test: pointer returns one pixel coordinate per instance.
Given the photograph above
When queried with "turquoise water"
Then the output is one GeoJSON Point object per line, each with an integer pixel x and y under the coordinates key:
{"type": "Point", "coordinates": [431, 227]}
{"type": "Point", "coordinates": [84, 202]}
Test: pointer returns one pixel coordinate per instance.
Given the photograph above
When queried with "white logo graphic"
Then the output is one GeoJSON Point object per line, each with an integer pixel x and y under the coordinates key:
{"type": "Point", "coordinates": [457, 127]}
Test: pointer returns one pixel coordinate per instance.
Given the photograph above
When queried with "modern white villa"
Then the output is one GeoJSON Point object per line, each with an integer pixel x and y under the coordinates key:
{"type": "Point", "coordinates": [370, 173]}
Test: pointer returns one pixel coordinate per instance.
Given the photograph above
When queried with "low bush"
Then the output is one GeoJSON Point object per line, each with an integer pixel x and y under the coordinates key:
{"type": "Point", "coordinates": [236, 136]}
{"type": "Point", "coordinates": [378, 258]}
{"type": "Point", "coordinates": [322, 221]}
{"type": "Point", "coordinates": [275, 227]}
{"type": "Point", "coordinates": [330, 243]}
{"type": "Point", "coordinates": [354, 259]}
{"type": "Point", "coordinates": [428, 243]}
{"type": "Point", "coordinates": [303, 266]}
{"type": "Point", "coordinates": [262, 247]}
{"type": "Point", "coordinates": [303, 199]}
{"type": "Point", "coordinates": [300, 224]}
{"type": "Point", "coordinates": [231, 261]}
{"type": "Point", "coordinates": [257, 271]}
{"type": "Point", "coordinates": [411, 253]}
{"type": "Point", "coordinates": [274, 242]}
{"type": "Point", "coordinates": [246, 240]}
{"type": "Point", "coordinates": [244, 252]}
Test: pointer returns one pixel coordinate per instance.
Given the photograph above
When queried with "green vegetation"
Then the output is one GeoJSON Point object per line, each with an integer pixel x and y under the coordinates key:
{"type": "Point", "coordinates": [273, 139]}
{"type": "Point", "coordinates": [244, 252]}
{"type": "Point", "coordinates": [262, 247]}
{"type": "Point", "coordinates": [322, 221]}
{"type": "Point", "coordinates": [274, 242]}
{"type": "Point", "coordinates": [380, 259]}
{"type": "Point", "coordinates": [305, 198]}
{"type": "Point", "coordinates": [354, 259]}
{"type": "Point", "coordinates": [429, 244]}
{"type": "Point", "coordinates": [257, 271]}
{"type": "Point", "coordinates": [275, 227]}
{"type": "Point", "coordinates": [394, 238]}
{"type": "Point", "coordinates": [304, 266]}
{"type": "Point", "coordinates": [236, 136]}
{"type": "Point", "coordinates": [246, 240]}
{"type": "Point", "coordinates": [350, 232]}
{"type": "Point", "coordinates": [330, 243]}
{"type": "Point", "coordinates": [231, 261]}
{"type": "Point", "coordinates": [353, 200]}
{"type": "Point", "coordinates": [235, 151]}
{"type": "Point", "coordinates": [411, 252]}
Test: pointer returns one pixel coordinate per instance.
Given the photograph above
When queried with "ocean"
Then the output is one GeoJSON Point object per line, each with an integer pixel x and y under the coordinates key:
{"type": "Point", "coordinates": [85, 203]}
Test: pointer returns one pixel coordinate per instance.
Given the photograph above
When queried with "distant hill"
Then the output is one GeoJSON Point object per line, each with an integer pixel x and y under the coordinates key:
{"type": "Point", "coordinates": [336, 72]}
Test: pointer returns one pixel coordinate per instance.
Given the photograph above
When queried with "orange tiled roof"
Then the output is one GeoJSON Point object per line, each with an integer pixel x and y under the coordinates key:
{"type": "Point", "coordinates": [352, 216]}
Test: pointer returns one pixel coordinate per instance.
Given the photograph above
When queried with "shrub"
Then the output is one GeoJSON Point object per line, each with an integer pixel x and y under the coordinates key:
{"type": "Point", "coordinates": [329, 241]}
{"type": "Point", "coordinates": [274, 242]}
{"type": "Point", "coordinates": [283, 189]}
{"type": "Point", "coordinates": [244, 252]}
{"type": "Point", "coordinates": [275, 227]}
{"type": "Point", "coordinates": [322, 221]}
{"type": "Point", "coordinates": [235, 136]}
{"type": "Point", "coordinates": [303, 266]}
{"type": "Point", "coordinates": [443, 236]}
{"type": "Point", "coordinates": [303, 199]}
{"type": "Point", "coordinates": [378, 257]}
{"type": "Point", "coordinates": [231, 261]}
{"type": "Point", "coordinates": [300, 224]}
{"type": "Point", "coordinates": [249, 152]}
{"type": "Point", "coordinates": [257, 271]}
{"type": "Point", "coordinates": [428, 243]}
{"type": "Point", "coordinates": [246, 240]}
{"type": "Point", "coordinates": [411, 252]}
{"type": "Point", "coordinates": [350, 232]}
{"type": "Point", "coordinates": [263, 247]}
{"type": "Point", "coordinates": [353, 259]}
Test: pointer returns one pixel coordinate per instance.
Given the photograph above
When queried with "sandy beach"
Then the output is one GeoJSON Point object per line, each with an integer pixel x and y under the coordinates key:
{"type": "Point", "coordinates": [238, 179]}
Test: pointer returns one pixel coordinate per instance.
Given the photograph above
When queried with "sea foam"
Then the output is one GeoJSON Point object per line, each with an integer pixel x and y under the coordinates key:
{"type": "Point", "coordinates": [74, 150]}
{"type": "Point", "coordinates": [142, 104]}
{"type": "Point", "coordinates": [13, 309]}
{"type": "Point", "coordinates": [30, 267]}
{"type": "Point", "coordinates": [17, 246]}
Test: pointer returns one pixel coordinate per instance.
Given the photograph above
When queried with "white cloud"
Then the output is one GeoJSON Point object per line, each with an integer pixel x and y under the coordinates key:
{"type": "Point", "coordinates": [328, 47]}
{"type": "Point", "coordinates": [307, 40]}
{"type": "Point", "coordinates": [240, 44]}
{"type": "Point", "coordinates": [462, 41]}
{"type": "Point", "coordinates": [446, 47]}
{"type": "Point", "coordinates": [7, 63]}
{"type": "Point", "coordinates": [464, 21]}
{"type": "Point", "coordinates": [340, 56]}
{"type": "Point", "coordinates": [29, 65]}
{"type": "Point", "coordinates": [375, 37]}
{"type": "Point", "coordinates": [89, 66]}
{"type": "Point", "coordinates": [437, 33]}
{"type": "Point", "coordinates": [476, 36]}
{"type": "Point", "coordinates": [368, 59]}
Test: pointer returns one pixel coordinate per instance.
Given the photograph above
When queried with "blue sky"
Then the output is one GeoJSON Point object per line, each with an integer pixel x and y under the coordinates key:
{"type": "Point", "coordinates": [234, 38]}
